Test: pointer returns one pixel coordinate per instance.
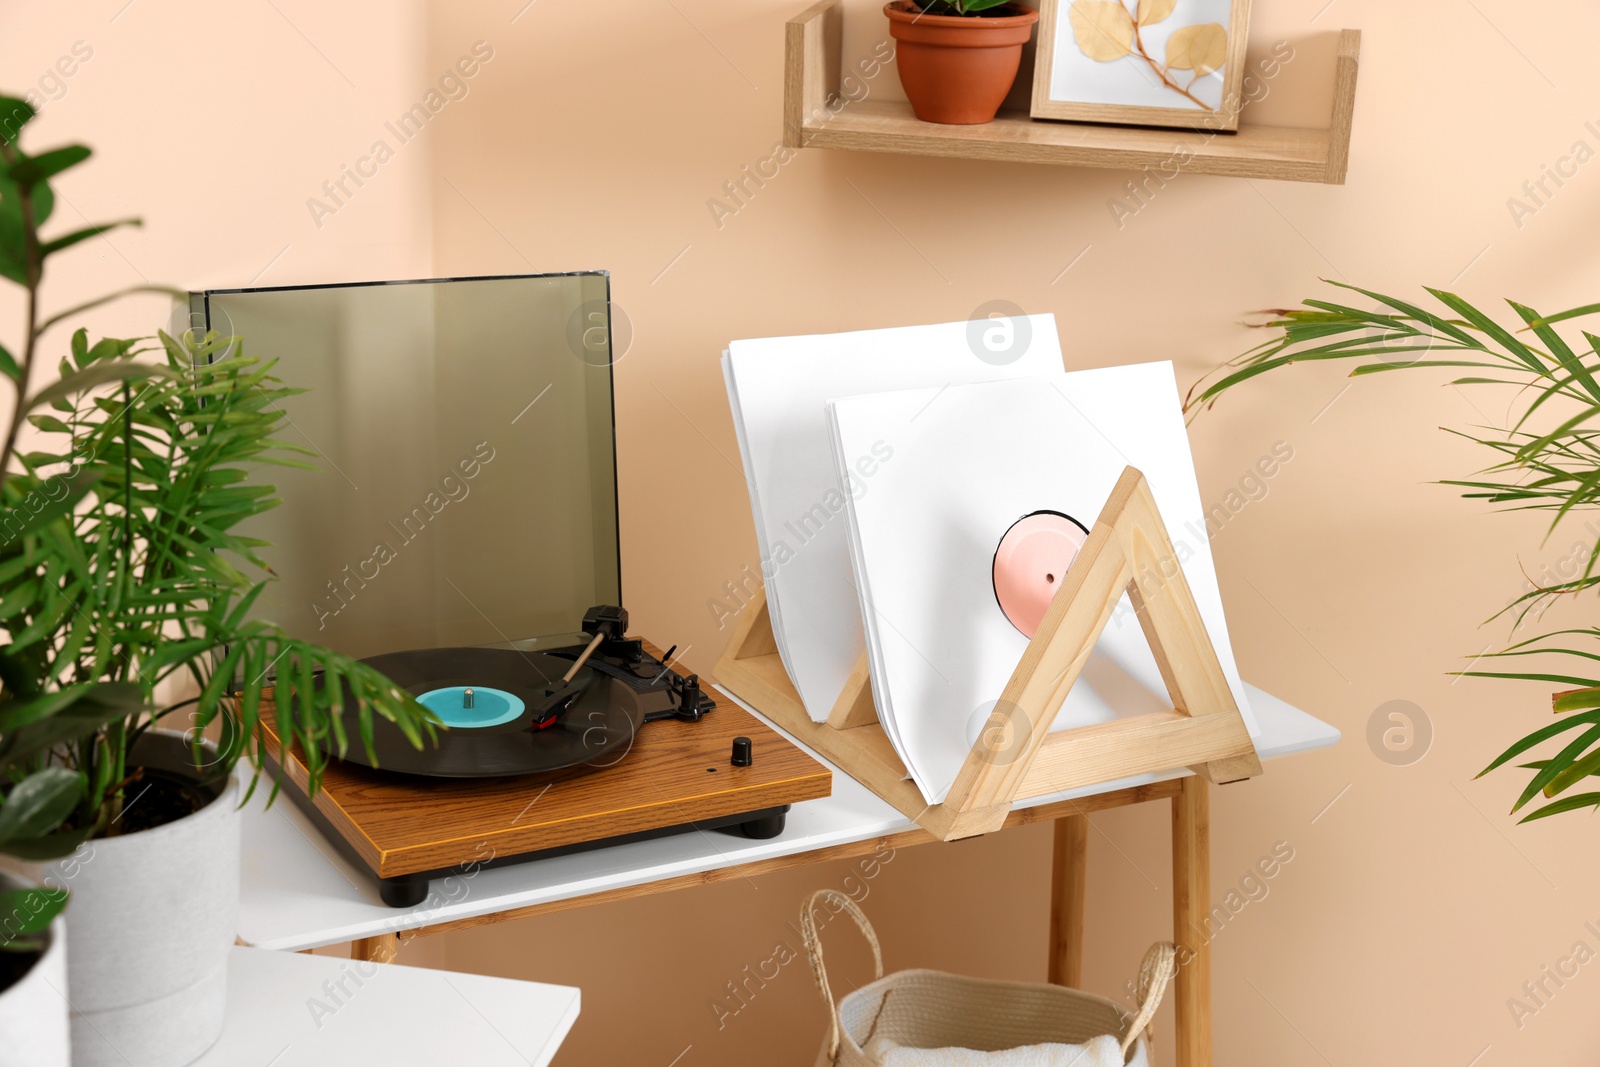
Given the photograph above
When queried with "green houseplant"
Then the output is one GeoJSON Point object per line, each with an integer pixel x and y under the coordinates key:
{"type": "Point", "coordinates": [1546, 458]}
{"type": "Point", "coordinates": [121, 577]}
{"type": "Point", "coordinates": [958, 58]}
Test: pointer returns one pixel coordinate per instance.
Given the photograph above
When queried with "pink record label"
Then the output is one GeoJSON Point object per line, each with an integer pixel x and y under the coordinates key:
{"type": "Point", "coordinates": [1030, 564]}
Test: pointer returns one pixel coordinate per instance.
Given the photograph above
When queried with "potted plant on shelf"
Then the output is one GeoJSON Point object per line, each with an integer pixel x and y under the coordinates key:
{"type": "Point", "coordinates": [120, 575]}
{"type": "Point", "coordinates": [958, 58]}
{"type": "Point", "coordinates": [1546, 458]}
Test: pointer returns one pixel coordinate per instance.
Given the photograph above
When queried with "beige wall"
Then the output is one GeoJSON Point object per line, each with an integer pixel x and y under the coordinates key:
{"type": "Point", "coordinates": [1413, 908]}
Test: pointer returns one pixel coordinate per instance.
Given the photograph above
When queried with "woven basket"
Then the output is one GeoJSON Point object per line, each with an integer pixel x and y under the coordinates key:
{"type": "Point", "coordinates": [933, 1010]}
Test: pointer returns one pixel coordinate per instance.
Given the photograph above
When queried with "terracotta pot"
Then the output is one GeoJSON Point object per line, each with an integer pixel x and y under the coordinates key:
{"type": "Point", "coordinates": [957, 70]}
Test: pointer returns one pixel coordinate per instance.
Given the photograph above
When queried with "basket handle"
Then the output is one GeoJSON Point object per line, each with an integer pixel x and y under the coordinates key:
{"type": "Point", "coordinates": [1160, 964]}
{"type": "Point", "coordinates": [808, 930]}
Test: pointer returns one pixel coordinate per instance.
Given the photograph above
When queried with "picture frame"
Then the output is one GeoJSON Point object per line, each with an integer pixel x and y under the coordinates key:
{"type": "Point", "coordinates": [1173, 63]}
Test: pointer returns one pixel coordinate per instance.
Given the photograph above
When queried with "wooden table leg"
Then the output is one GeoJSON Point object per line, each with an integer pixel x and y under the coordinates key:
{"type": "Point", "coordinates": [1067, 881]}
{"type": "Point", "coordinates": [1191, 903]}
{"type": "Point", "coordinates": [380, 949]}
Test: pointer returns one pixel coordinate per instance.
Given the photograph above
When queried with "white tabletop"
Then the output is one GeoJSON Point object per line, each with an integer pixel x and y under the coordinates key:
{"type": "Point", "coordinates": [298, 892]}
{"type": "Point", "coordinates": [291, 1010]}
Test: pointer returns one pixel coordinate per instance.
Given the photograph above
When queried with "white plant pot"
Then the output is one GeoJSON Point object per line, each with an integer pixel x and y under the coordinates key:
{"type": "Point", "coordinates": [33, 1012]}
{"type": "Point", "coordinates": [153, 919]}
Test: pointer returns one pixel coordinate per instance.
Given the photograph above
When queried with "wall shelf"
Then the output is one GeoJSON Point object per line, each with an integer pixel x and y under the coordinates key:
{"type": "Point", "coordinates": [1283, 153]}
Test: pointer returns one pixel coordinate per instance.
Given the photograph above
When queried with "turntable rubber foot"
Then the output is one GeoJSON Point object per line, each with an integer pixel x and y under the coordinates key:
{"type": "Point", "coordinates": [764, 828]}
{"type": "Point", "coordinates": [406, 891]}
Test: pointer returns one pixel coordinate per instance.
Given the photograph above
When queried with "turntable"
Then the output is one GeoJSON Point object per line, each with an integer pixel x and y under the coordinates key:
{"type": "Point", "coordinates": [639, 752]}
{"type": "Point", "coordinates": [462, 518]}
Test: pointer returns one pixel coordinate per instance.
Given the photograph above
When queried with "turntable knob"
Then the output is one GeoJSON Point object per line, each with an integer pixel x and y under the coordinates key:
{"type": "Point", "coordinates": [743, 756]}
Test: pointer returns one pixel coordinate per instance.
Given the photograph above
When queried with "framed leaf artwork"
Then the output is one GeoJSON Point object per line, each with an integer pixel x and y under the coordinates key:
{"type": "Point", "coordinates": [1141, 62]}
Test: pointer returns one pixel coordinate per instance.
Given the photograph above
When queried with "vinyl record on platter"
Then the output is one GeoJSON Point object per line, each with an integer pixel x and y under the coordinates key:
{"type": "Point", "coordinates": [495, 736]}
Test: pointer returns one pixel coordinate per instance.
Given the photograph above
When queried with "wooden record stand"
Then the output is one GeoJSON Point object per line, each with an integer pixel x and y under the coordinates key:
{"type": "Point", "coordinates": [1016, 756]}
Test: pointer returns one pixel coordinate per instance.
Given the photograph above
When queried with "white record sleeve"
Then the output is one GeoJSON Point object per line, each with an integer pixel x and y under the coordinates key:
{"type": "Point", "coordinates": [969, 461]}
{"type": "Point", "coordinates": [778, 388]}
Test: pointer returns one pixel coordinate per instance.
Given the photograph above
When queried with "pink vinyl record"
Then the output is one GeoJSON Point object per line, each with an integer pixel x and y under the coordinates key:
{"type": "Point", "coordinates": [1031, 562]}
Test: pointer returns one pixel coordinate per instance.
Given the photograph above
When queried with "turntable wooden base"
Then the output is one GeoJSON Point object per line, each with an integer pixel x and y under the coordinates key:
{"type": "Point", "coordinates": [678, 776]}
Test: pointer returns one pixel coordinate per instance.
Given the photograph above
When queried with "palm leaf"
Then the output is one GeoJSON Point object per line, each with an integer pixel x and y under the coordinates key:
{"type": "Point", "coordinates": [1573, 803]}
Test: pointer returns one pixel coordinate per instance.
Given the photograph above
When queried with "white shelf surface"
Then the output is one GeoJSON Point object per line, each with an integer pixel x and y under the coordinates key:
{"type": "Point", "coordinates": [298, 892]}
{"type": "Point", "coordinates": [384, 1013]}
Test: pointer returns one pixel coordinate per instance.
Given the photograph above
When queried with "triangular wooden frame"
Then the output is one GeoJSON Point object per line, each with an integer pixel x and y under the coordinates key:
{"type": "Point", "coordinates": [1016, 756]}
